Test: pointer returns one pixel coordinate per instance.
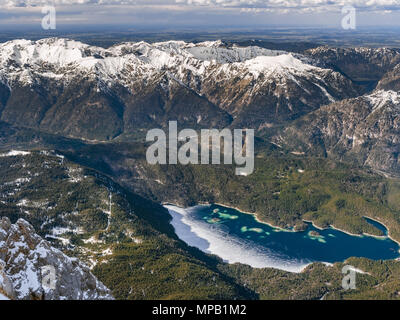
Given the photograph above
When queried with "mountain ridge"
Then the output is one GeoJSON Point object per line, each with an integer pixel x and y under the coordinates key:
{"type": "Point", "coordinates": [362, 130]}
{"type": "Point", "coordinates": [70, 88]}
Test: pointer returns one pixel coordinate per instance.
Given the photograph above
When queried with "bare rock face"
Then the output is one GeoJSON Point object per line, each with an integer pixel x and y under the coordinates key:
{"type": "Point", "coordinates": [31, 269]}
{"type": "Point", "coordinates": [362, 64]}
{"type": "Point", "coordinates": [364, 130]}
{"type": "Point", "coordinates": [391, 80]}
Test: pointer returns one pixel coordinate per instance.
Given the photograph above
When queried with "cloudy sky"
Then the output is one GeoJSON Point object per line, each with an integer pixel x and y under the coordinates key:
{"type": "Point", "coordinates": [187, 13]}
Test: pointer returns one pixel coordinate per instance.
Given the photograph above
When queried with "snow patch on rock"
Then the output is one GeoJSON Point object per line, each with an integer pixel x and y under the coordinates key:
{"type": "Point", "coordinates": [24, 254]}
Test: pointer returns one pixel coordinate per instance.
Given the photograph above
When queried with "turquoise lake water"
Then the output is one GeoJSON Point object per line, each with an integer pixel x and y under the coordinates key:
{"type": "Point", "coordinates": [329, 246]}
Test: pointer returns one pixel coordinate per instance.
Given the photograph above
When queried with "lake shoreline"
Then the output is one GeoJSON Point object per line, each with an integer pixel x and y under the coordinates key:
{"type": "Point", "coordinates": [317, 227]}
{"type": "Point", "coordinates": [225, 251]}
{"type": "Point", "coordinates": [255, 217]}
{"type": "Point", "coordinates": [311, 225]}
{"type": "Point", "coordinates": [254, 214]}
{"type": "Point", "coordinates": [359, 235]}
{"type": "Point", "coordinates": [387, 229]}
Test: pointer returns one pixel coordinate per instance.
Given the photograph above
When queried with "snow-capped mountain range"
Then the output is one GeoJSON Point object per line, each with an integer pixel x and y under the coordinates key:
{"type": "Point", "coordinates": [23, 60]}
{"type": "Point", "coordinates": [140, 85]}
{"type": "Point", "coordinates": [77, 90]}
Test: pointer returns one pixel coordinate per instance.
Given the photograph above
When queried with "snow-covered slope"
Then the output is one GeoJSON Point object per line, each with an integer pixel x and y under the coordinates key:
{"type": "Point", "coordinates": [3, 297]}
{"type": "Point", "coordinates": [24, 257]}
{"type": "Point", "coordinates": [128, 85]}
{"type": "Point", "coordinates": [23, 60]}
{"type": "Point", "coordinates": [382, 98]}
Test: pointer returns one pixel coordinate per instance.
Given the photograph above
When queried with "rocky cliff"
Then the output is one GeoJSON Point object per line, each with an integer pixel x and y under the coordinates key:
{"type": "Point", "coordinates": [31, 269]}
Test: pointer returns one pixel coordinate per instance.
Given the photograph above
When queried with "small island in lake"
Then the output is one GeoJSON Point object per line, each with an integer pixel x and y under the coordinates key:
{"type": "Point", "coordinates": [314, 233]}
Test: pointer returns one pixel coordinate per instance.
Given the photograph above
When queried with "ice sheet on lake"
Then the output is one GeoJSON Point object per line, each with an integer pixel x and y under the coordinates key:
{"type": "Point", "coordinates": [215, 240]}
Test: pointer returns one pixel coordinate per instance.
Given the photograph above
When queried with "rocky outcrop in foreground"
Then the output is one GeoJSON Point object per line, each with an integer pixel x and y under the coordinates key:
{"type": "Point", "coordinates": [31, 269]}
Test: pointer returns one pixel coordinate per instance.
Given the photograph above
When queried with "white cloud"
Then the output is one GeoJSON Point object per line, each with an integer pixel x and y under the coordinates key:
{"type": "Point", "coordinates": [257, 6]}
{"type": "Point", "coordinates": [242, 4]}
{"type": "Point", "coordinates": [200, 12]}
